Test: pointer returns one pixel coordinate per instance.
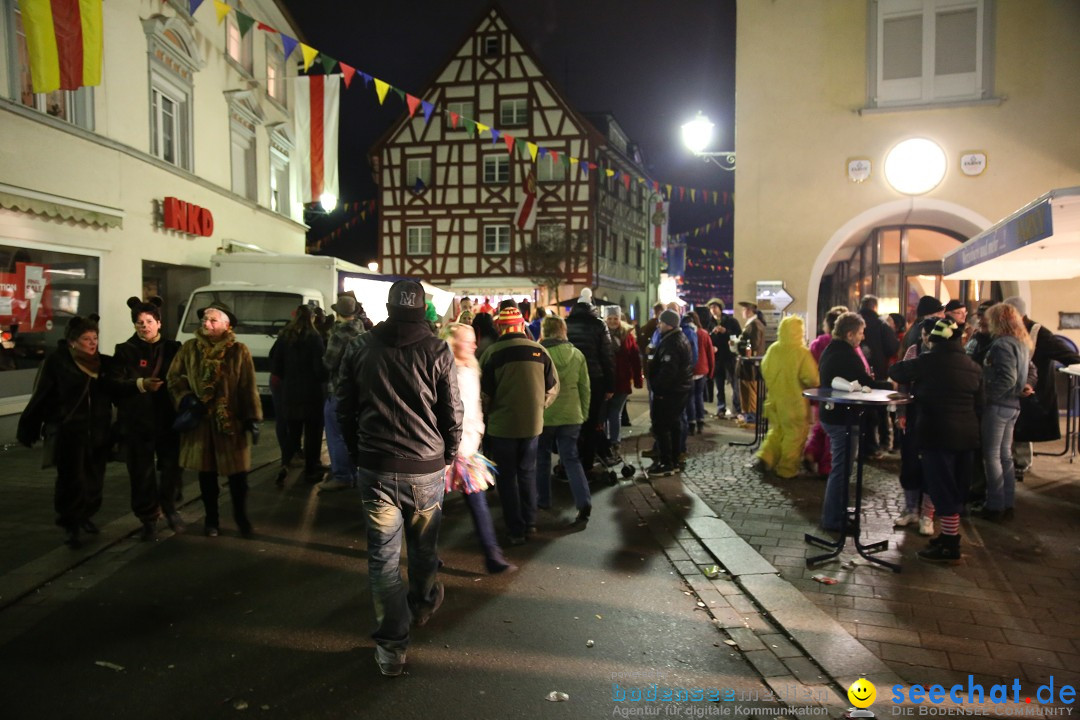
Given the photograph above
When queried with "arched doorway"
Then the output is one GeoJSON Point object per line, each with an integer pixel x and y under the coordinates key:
{"type": "Point", "coordinates": [894, 251]}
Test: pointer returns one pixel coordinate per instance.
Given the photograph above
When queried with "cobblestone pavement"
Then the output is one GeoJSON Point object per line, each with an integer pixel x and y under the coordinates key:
{"type": "Point", "coordinates": [1010, 609]}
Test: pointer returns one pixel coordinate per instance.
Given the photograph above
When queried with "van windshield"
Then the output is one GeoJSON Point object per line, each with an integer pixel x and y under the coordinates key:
{"type": "Point", "coordinates": [257, 312]}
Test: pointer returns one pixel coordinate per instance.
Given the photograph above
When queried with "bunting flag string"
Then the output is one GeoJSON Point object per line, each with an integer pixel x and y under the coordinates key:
{"type": "Point", "coordinates": [473, 127]}
{"type": "Point", "coordinates": [360, 211]}
{"type": "Point", "coordinates": [702, 230]}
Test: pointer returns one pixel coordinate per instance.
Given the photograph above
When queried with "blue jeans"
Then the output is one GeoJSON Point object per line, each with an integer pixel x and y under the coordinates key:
{"type": "Point", "coordinates": [485, 531]}
{"type": "Point", "coordinates": [397, 503]}
{"type": "Point", "coordinates": [341, 467]}
{"type": "Point", "coordinates": [834, 505]}
{"type": "Point", "coordinates": [613, 423]}
{"type": "Point", "coordinates": [998, 422]}
{"type": "Point", "coordinates": [515, 466]}
{"type": "Point", "coordinates": [695, 406]}
{"type": "Point", "coordinates": [565, 438]}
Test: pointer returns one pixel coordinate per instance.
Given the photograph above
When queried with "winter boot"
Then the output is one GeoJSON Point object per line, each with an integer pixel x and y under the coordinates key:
{"type": "Point", "coordinates": [945, 550]}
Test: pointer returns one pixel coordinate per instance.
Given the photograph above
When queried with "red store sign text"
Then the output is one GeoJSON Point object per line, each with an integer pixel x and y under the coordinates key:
{"type": "Point", "coordinates": [188, 217]}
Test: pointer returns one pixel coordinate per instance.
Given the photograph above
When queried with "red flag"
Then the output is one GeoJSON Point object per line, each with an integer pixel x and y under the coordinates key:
{"type": "Point", "coordinates": [347, 72]}
{"type": "Point", "coordinates": [525, 217]}
{"type": "Point", "coordinates": [413, 103]}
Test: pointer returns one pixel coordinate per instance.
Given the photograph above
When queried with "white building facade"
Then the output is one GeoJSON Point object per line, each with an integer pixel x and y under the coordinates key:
{"type": "Point", "coordinates": [129, 188]}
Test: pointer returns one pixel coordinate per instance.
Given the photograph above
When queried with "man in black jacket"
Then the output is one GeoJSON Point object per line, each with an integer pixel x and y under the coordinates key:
{"type": "Point", "coordinates": [400, 415]}
{"type": "Point", "coordinates": [589, 334]}
{"type": "Point", "coordinates": [670, 378]}
{"type": "Point", "coordinates": [881, 344]}
{"type": "Point", "coordinates": [725, 327]}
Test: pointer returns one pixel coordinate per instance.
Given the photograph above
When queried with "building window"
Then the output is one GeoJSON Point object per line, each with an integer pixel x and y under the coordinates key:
{"type": "Point", "coordinates": [492, 46]}
{"type": "Point", "coordinates": [243, 164]}
{"type": "Point", "coordinates": [418, 240]}
{"type": "Point", "coordinates": [276, 87]}
{"type": "Point", "coordinates": [640, 254]}
{"type": "Point", "coordinates": [237, 46]}
{"type": "Point", "coordinates": [496, 169]}
{"type": "Point", "coordinates": [514, 111]}
{"type": "Point", "coordinates": [281, 145]}
{"type": "Point", "coordinates": [170, 122]}
{"type": "Point", "coordinates": [626, 250]}
{"type": "Point", "coordinates": [174, 59]}
{"type": "Point", "coordinates": [497, 239]}
{"type": "Point", "coordinates": [929, 51]}
{"type": "Point", "coordinates": [418, 173]}
{"type": "Point", "coordinates": [550, 170]}
{"type": "Point", "coordinates": [464, 109]}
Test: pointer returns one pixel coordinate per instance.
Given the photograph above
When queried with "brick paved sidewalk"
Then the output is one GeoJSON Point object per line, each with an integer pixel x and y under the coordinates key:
{"type": "Point", "coordinates": [1010, 609]}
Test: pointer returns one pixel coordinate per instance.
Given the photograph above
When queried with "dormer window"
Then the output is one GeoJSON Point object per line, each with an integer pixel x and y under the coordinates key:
{"type": "Point", "coordinates": [492, 46]}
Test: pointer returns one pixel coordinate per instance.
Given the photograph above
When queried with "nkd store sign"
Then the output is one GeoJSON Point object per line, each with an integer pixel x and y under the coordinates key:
{"type": "Point", "coordinates": [187, 217]}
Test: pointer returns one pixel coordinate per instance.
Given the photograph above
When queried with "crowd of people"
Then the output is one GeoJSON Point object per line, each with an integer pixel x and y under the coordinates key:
{"type": "Point", "coordinates": [412, 409]}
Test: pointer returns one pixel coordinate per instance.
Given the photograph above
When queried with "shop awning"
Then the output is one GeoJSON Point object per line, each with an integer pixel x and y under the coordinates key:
{"type": "Point", "coordinates": [55, 206]}
{"type": "Point", "coordinates": [1041, 241]}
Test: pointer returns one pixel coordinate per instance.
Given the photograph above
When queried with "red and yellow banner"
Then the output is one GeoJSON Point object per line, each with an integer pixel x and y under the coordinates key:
{"type": "Point", "coordinates": [64, 40]}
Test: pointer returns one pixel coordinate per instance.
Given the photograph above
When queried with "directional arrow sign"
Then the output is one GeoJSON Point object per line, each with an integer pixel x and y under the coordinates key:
{"type": "Point", "coordinates": [781, 300]}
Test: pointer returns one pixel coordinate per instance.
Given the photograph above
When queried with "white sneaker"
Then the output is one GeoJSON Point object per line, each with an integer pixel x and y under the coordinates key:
{"type": "Point", "coordinates": [926, 526]}
{"type": "Point", "coordinates": [908, 518]}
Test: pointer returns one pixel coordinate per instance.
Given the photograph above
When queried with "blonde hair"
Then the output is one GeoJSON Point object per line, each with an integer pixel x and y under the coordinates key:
{"type": "Point", "coordinates": [465, 318]}
{"type": "Point", "coordinates": [450, 334]}
{"type": "Point", "coordinates": [1004, 320]}
{"type": "Point", "coordinates": [553, 326]}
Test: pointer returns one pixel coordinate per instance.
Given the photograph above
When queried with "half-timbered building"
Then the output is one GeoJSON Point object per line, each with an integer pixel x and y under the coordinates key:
{"type": "Point", "coordinates": [450, 192]}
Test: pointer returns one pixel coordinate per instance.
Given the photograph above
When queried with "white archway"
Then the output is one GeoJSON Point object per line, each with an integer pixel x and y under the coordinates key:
{"type": "Point", "coordinates": [907, 211]}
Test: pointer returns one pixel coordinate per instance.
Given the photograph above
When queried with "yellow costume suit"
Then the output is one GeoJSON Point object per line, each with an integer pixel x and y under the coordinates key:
{"type": "Point", "coordinates": [788, 368]}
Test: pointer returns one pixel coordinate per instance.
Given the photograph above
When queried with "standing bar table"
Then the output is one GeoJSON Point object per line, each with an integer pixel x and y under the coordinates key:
{"type": "Point", "coordinates": [1072, 408]}
{"type": "Point", "coordinates": [858, 402]}
{"type": "Point", "coordinates": [761, 425]}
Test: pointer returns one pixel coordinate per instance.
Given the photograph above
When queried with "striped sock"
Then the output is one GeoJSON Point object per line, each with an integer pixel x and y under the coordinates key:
{"type": "Point", "coordinates": [950, 524]}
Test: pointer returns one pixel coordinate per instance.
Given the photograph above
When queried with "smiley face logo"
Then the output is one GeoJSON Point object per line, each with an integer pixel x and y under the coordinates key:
{"type": "Point", "coordinates": [862, 693]}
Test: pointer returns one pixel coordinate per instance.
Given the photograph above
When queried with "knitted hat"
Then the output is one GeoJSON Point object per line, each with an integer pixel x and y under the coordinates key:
{"type": "Point", "coordinates": [508, 318]}
{"type": "Point", "coordinates": [670, 318]}
{"type": "Point", "coordinates": [715, 301]}
{"type": "Point", "coordinates": [928, 305]}
{"type": "Point", "coordinates": [943, 330]}
{"type": "Point", "coordinates": [152, 306]}
{"type": "Point", "coordinates": [954, 305]}
{"type": "Point", "coordinates": [346, 304]}
{"type": "Point", "coordinates": [1018, 303]}
{"type": "Point", "coordinates": [78, 325]}
{"type": "Point", "coordinates": [612, 311]}
{"type": "Point", "coordinates": [405, 301]}
{"type": "Point", "coordinates": [220, 307]}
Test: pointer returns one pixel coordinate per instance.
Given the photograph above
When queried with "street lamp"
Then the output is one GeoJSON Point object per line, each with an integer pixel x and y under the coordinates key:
{"type": "Point", "coordinates": [373, 266]}
{"type": "Point", "coordinates": [697, 135]}
{"type": "Point", "coordinates": [328, 200]}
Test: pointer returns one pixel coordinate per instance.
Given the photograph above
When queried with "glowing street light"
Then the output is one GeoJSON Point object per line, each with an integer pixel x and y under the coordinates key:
{"type": "Point", "coordinates": [697, 135]}
{"type": "Point", "coordinates": [328, 201]}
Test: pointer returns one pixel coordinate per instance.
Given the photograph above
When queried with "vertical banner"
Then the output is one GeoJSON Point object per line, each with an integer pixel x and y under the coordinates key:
{"type": "Point", "coordinates": [676, 264]}
{"type": "Point", "coordinates": [659, 221]}
{"type": "Point", "coordinates": [525, 217]}
{"type": "Point", "coordinates": [318, 101]}
{"type": "Point", "coordinates": [64, 39]}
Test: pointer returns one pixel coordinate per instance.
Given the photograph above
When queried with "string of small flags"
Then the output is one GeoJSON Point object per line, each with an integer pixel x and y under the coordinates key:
{"type": "Point", "coordinates": [360, 211]}
{"type": "Point", "coordinates": [699, 231]}
{"type": "Point", "coordinates": [473, 127]}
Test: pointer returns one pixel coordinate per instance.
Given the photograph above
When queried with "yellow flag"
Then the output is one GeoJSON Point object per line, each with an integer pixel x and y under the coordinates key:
{"type": "Point", "coordinates": [609, 172]}
{"type": "Point", "coordinates": [573, 159]}
{"type": "Point", "coordinates": [381, 88]}
{"type": "Point", "coordinates": [668, 186]}
{"type": "Point", "coordinates": [481, 128]}
{"type": "Point", "coordinates": [309, 55]}
{"type": "Point", "coordinates": [533, 147]}
{"type": "Point", "coordinates": [692, 194]}
{"type": "Point", "coordinates": [222, 10]}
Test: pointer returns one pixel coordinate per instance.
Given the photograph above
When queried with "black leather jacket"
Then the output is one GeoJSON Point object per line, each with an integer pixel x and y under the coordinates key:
{"type": "Point", "coordinates": [398, 402]}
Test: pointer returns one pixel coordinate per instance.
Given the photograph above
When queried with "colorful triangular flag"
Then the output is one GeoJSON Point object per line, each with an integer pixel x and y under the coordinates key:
{"type": "Point", "coordinates": [288, 44]}
{"type": "Point", "coordinates": [347, 72]}
{"type": "Point", "coordinates": [222, 10]}
{"type": "Point", "coordinates": [413, 102]}
{"type": "Point", "coordinates": [381, 88]}
{"type": "Point", "coordinates": [244, 22]}
{"type": "Point", "coordinates": [328, 63]}
{"type": "Point", "coordinates": [193, 5]}
{"type": "Point", "coordinates": [428, 110]}
{"type": "Point", "coordinates": [308, 52]}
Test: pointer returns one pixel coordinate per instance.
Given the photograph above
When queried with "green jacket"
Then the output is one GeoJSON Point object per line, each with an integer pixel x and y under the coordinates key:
{"type": "Point", "coordinates": [569, 408]}
{"type": "Point", "coordinates": [517, 381]}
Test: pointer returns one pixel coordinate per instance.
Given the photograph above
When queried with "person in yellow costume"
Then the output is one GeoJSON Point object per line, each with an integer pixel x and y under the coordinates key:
{"type": "Point", "coordinates": [788, 368]}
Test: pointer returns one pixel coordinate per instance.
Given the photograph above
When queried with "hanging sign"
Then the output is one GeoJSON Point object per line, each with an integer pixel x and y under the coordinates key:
{"type": "Point", "coordinates": [973, 163]}
{"type": "Point", "coordinates": [858, 170]}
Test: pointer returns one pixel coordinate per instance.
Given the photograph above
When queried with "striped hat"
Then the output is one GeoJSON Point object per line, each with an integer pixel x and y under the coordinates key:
{"type": "Point", "coordinates": [943, 329]}
{"type": "Point", "coordinates": [509, 317]}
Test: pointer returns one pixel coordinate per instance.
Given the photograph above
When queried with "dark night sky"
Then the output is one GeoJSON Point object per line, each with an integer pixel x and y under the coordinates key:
{"type": "Point", "coordinates": [651, 63]}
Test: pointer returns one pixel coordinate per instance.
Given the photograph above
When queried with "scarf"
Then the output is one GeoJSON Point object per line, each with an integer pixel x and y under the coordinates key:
{"type": "Point", "coordinates": [212, 391]}
{"type": "Point", "coordinates": [89, 364]}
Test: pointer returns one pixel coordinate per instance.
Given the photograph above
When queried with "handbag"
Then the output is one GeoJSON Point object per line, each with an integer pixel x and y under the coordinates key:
{"type": "Point", "coordinates": [49, 445]}
{"type": "Point", "coordinates": [190, 414]}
